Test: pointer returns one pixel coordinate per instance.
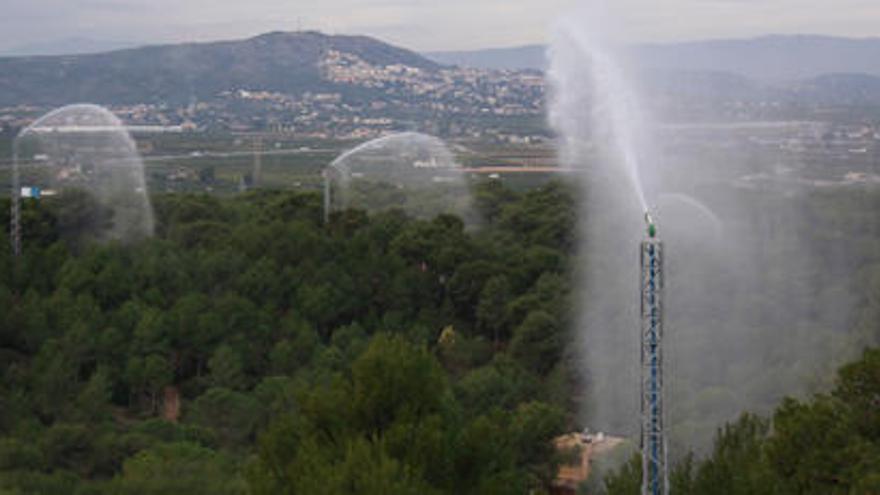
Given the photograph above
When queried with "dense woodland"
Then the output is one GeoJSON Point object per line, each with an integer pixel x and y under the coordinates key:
{"type": "Point", "coordinates": [249, 348]}
{"type": "Point", "coordinates": [372, 355]}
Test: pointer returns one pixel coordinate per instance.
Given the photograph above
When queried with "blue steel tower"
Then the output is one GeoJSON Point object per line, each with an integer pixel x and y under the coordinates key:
{"type": "Point", "coordinates": [653, 439]}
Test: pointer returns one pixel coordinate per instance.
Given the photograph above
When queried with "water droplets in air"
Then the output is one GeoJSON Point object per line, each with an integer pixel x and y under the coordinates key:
{"type": "Point", "coordinates": [409, 171]}
{"type": "Point", "coordinates": [753, 285]}
{"type": "Point", "coordinates": [595, 109]}
{"type": "Point", "coordinates": [82, 159]}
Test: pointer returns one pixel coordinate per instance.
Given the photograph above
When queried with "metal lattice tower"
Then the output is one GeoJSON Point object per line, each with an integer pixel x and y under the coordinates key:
{"type": "Point", "coordinates": [653, 439]}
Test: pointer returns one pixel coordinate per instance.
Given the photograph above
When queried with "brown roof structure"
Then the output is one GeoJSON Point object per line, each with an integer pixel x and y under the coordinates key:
{"type": "Point", "coordinates": [586, 447]}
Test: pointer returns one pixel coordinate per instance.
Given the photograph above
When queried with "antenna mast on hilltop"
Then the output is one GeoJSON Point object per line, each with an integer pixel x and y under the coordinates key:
{"type": "Point", "coordinates": [653, 428]}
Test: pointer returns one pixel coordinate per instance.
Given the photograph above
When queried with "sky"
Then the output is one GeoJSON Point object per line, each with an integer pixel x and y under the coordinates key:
{"type": "Point", "coordinates": [423, 25]}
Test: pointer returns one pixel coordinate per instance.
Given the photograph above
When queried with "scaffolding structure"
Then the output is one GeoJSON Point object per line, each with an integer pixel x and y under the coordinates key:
{"type": "Point", "coordinates": [653, 434]}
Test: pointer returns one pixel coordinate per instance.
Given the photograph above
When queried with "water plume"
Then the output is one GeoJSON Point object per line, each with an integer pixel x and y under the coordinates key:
{"type": "Point", "coordinates": [685, 217]}
{"type": "Point", "coordinates": [83, 154]}
{"type": "Point", "coordinates": [588, 80]}
{"type": "Point", "coordinates": [414, 172]}
{"type": "Point", "coordinates": [759, 286]}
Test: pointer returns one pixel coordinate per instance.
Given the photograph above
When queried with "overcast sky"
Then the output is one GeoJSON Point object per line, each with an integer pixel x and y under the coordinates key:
{"type": "Point", "coordinates": [422, 24]}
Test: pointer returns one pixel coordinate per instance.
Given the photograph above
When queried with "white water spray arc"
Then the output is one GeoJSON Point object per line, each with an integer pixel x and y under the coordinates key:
{"type": "Point", "coordinates": [601, 125]}
{"type": "Point", "coordinates": [588, 80]}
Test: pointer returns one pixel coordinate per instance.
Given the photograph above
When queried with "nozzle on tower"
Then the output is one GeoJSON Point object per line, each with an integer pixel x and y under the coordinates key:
{"type": "Point", "coordinates": [652, 229]}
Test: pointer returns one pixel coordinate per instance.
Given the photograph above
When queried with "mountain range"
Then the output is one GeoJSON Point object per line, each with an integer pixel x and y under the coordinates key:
{"type": "Point", "coordinates": [815, 68]}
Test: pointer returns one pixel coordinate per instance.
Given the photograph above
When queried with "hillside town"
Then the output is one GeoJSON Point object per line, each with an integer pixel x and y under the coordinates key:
{"type": "Point", "coordinates": [506, 106]}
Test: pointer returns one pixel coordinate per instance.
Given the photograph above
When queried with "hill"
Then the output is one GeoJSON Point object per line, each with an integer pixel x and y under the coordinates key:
{"type": "Point", "coordinates": [768, 58]}
{"type": "Point", "coordinates": [841, 89]}
{"type": "Point", "coordinates": [515, 58]}
{"type": "Point", "coordinates": [279, 61]}
{"type": "Point", "coordinates": [66, 46]}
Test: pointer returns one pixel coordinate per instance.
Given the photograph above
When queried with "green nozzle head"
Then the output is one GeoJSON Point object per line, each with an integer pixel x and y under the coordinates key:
{"type": "Point", "coordinates": [652, 229]}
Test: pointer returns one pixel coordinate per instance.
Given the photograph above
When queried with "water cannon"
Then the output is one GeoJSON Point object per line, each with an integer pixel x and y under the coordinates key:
{"type": "Point", "coordinates": [652, 228]}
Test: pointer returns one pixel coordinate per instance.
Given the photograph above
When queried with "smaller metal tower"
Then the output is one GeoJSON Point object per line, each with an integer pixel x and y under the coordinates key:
{"type": "Point", "coordinates": [655, 479]}
{"type": "Point", "coordinates": [15, 214]}
{"type": "Point", "coordinates": [327, 200]}
{"type": "Point", "coordinates": [15, 224]}
{"type": "Point", "coordinates": [256, 176]}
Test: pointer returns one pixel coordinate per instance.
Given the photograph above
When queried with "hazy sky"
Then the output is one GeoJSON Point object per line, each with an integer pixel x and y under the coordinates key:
{"type": "Point", "coordinates": [422, 24]}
